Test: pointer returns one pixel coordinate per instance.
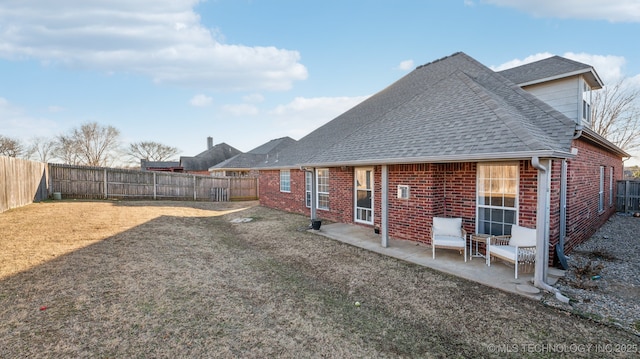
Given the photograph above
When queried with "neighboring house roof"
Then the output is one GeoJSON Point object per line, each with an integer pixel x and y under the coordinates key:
{"type": "Point", "coordinates": [159, 164]}
{"type": "Point", "coordinates": [452, 109]}
{"type": "Point", "coordinates": [208, 158]}
{"type": "Point", "coordinates": [549, 69]}
{"type": "Point", "coordinates": [256, 156]}
{"type": "Point", "coordinates": [172, 166]}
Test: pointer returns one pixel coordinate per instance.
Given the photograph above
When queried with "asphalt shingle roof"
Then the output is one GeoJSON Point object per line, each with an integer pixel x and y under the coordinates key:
{"type": "Point", "coordinates": [257, 156]}
{"type": "Point", "coordinates": [208, 158]}
{"type": "Point", "coordinates": [451, 109]}
{"type": "Point", "coordinates": [551, 67]}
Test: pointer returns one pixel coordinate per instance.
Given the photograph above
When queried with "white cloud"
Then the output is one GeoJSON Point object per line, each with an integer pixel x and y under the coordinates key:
{"type": "Point", "coordinates": [609, 67]}
{"type": "Point", "coordinates": [469, 3]}
{"type": "Point", "coordinates": [253, 98]}
{"type": "Point", "coordinates": [161, 39]}
{"type": "Point", "coordinates": [15, 123]}
{"type": "Point", "coordinates": [519, 62]}
{"type": "Point", "coordinates": [610, 10]}
{"type": "Point", "coordinates": [201, 101]}
{"type": "Point", "coordinates": [406, 65]}
{"type": "Point", "coordinates": [303, 115]}
{"type": "Point", "coordinates": [242, 109]}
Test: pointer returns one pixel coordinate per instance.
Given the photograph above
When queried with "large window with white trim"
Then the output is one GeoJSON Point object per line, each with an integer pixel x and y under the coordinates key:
{"type": "Point", "coordinates": [285, 181]}
{"type": "Point", "coordinates": [497, 199]}
{"type": "Point", "coordinates": [322, 179]}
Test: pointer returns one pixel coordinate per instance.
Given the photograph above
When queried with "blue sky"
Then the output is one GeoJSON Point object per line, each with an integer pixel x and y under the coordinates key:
{"type": "Point", "coordinates": [248, 71]}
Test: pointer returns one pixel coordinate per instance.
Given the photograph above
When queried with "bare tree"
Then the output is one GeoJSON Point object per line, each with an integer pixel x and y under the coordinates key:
{"type": "Point", "coordinates": [90, 144]}
{"type": "Point", "coordinates": [10, 147]}
{"type": "Point", "coordinates": [151, 151]}
{"type": "Point", "coordinates": [41, 149]}
{"type": "Point", "coordinates": [616, 114]}
{"type": "Point", "coordinates": [66, 150]}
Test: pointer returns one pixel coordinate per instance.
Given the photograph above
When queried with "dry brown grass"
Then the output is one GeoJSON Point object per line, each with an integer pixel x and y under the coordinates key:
{"type": "Point", "coordinates": [176, 279]}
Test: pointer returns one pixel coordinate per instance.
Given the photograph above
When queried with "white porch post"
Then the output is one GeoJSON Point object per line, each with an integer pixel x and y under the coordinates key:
{"type": "Point", "coordinates": [384, 214]}
{"type": "Point", "coordinates": [542, 221]}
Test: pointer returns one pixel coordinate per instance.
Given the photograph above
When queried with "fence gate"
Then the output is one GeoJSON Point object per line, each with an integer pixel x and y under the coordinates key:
{"type": "Point", "coordinates": [628, 196]}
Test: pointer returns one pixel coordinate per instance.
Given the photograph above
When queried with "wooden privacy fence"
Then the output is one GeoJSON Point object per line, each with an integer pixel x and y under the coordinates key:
{"type": "Point", "coordinates": [628, 196]}
{"type": "Point", "coordinates": [21, 182]}
{"type": "Point", "coordinates": [102, 183]}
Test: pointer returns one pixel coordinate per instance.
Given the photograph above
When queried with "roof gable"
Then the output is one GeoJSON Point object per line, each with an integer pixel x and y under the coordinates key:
{"type": "Point", "coordinates": [208, 158]}
{"type": "Point", "coordinates": [552, 68]}
{"type": "Point", "coordinates": [451, 109]}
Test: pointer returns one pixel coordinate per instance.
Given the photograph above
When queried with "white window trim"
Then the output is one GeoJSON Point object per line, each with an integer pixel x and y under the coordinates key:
{"type": "Point", "coordinates": [355, 195]}
{"type": "Point", "coordinates": [601, 191]}
{"type": "Point", "coordinates": [318, 193]}
{"type": "Point", "coordinates": [308, 190]}
{"type": "Point", "coordinates": [288, 175]}
{"type": "Point", "coordinates": [516, 209]}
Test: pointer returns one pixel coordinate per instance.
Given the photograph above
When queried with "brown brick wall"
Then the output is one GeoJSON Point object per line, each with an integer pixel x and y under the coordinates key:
{"type": "Point", "coordinates": [450, 190]}
{"type": "Point", "coordinates": [583, 217]}
{"type": "Point", "coordinates": [270, 195]}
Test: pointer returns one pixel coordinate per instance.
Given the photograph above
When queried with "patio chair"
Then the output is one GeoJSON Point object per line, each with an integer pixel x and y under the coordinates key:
{"type": "Point", "coordinates": [448, 233]}
{"type": "Point", "coordinates": [518, 248]}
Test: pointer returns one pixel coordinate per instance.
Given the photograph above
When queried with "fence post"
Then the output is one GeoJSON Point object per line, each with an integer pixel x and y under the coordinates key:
{"type": "Point", "coordinates": [626, 196]}
{"type": "Point", "coordinates": [154, 187]}
{"type": "Point", "coordinates": [195, 189]}
{"type": "Point", "coordinates": [106, 194]}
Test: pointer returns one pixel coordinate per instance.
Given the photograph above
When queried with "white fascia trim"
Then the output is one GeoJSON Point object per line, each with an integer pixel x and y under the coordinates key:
{"type": "Point", "coordinates": [481, 157]}
{"type": "Point", "coordinates": [565, 75]}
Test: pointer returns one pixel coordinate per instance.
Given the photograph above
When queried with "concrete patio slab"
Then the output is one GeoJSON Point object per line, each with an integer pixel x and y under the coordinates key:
{"type": "Point", "coordinates": [499, 275]}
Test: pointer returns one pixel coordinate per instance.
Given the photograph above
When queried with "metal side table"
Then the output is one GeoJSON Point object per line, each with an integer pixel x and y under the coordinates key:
{"type": "Point", "coordinates": [474, 248]}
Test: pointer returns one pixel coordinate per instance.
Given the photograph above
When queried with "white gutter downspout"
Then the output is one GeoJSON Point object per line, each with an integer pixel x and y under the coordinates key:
{"type": "Point", "coordinates": [542, 225]}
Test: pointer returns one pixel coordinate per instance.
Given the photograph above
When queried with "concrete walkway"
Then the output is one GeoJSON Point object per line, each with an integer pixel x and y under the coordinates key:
{"type": "Point", "coordinates": [499, 275]}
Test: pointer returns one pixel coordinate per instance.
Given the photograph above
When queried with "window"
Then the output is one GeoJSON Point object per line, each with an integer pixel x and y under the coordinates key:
{"type": "Point", "coordinates": [308, 185]}
{"type": "Point", "coordinates": [497, 198]}
{"type": "Point", "coordinates": [364, 195]}
{"type": "Point", "coordinates": [322, 179]}
{"type": "Point", "coordinates": [285, 181]}
{"type": "Point", "coordinates": [601, 191]}
{"type": "Point", "coordinates": [610, 186]}
{"type": "Point", "coordinates": [403, 192]}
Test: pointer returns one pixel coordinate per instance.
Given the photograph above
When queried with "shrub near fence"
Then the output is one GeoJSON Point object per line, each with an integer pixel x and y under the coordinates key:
{"type": "Point", "coordinates": [21, 182]}
{"type": "Point", "coordinates": [102, 183]}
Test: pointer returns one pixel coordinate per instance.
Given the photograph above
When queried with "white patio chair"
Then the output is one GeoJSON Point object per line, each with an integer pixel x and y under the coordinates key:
{"type": "Point", "coordinates": [518, 248]}
{"type": "Point", "coordinates": [448, 233]}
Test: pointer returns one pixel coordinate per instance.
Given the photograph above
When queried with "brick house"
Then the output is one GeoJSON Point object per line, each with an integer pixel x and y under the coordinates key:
{"type": "Point", "coordinates": [454, 138]}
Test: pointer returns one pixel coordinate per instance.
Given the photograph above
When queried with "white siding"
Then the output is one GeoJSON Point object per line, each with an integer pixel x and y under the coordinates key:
{"type": "Point", "coordinates": [564, 95]}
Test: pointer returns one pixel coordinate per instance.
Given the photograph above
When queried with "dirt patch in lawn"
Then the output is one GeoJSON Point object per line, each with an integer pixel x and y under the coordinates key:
{"type": "Point", "coordinates": [175, 279]}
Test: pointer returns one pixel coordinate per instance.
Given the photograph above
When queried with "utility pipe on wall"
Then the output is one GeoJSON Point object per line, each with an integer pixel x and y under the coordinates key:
{"type": "Point", "coordinates": [542, 228]}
